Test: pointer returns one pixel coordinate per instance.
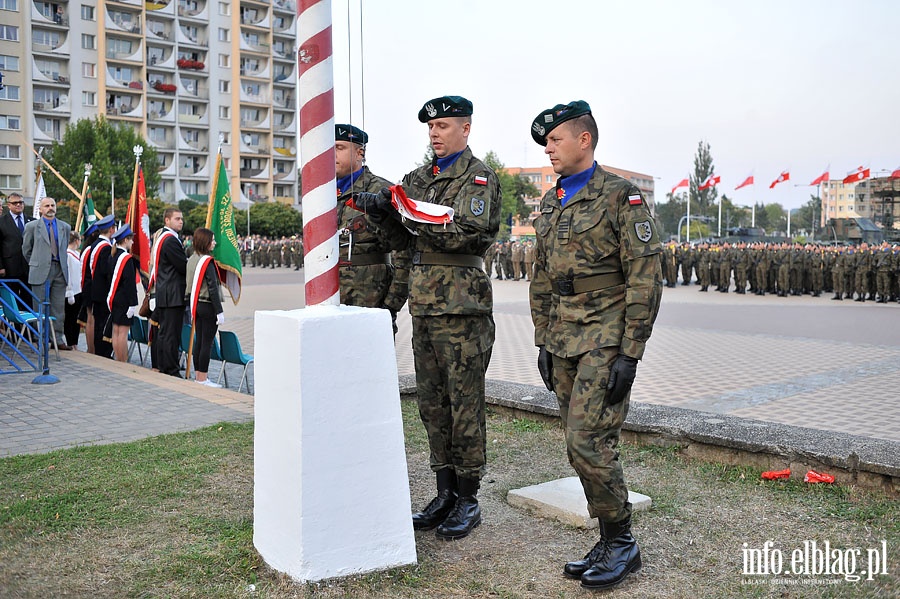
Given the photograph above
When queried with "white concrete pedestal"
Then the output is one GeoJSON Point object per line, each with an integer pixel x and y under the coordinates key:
{"type": "Point", "coordinates": [331, 490]}
{"type": "Point", "coordinates": [563, 500]}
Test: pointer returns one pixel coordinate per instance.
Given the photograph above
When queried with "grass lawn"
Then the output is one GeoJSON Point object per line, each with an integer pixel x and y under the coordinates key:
{"type": "Point", "coordinates": [172, 516]}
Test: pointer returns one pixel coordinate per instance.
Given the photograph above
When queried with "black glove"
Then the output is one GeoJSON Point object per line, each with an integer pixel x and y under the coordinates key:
{"type": "Point", "coordinates": [621, 377]}
{"type": "Point", "coordinates": [373, 203]}
{"type": "Point", "coordinates": [545, 367]}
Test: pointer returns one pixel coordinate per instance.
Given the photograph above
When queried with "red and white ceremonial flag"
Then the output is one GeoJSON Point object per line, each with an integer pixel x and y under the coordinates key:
{"type": "Point", "coordinates": [822, 178]}
{"type": "Point", "coordinates": [746, 182]}
{"type": "Point", "coordinates": [856, 175]}
{"type": "Point", "coordinates": [682, 183]}
{"type": "Point", "coordinates": [711, 181]}
{"type": "Point", "coordinates": [784, 176]}
{"type": "Point", "coordinates": [139, 220]}
{"type": "Point", "coordinates": [895, 174]}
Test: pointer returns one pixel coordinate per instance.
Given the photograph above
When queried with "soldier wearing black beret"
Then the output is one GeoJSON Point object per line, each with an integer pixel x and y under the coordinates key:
{"type": "Point", "coordinates": [450, 302]}
{"type": "Point", "coordinates": [594, 297]}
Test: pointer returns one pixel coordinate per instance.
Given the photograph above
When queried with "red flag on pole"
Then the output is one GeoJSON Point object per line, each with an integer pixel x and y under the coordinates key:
{"type": "Point", "coordinates": [139, 220]}
{"type": "Point", "coordinates": [784, 176]}
{"type": "Point", "coordinates": [855, 176]}
{"type": "Point", "coordinates": [711, 181]}
{"type": "Point", "coordinates": [682, 183]}
{"type": "Point", "coordinates": [821, 178]}
{"type": "Point", "coordinates": [747, 181]}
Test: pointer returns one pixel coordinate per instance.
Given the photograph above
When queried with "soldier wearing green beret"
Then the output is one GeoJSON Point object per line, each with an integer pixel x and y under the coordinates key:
{"type": "Point", "coordinates": [370, 276]}
{"type": "Point", "coordinates": [451, 304]}
{"type": "Point", "coordinates": [594, 298]}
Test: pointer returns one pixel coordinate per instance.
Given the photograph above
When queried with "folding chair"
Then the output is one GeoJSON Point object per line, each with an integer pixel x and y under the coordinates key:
{"type": "Point", "coordinates": [233, 354]}
{"type": "Point", "coordinates": [138, 335]}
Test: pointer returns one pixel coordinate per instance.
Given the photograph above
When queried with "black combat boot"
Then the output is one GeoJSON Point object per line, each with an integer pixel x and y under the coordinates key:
{"type": "Point", "coordinates": [578, 567]}
{"type": "Point", "coordinates": [465, 515]}
{"type": "Point", "coordinates": [440, 506]}
{"type": "Point", "coordinates": [620, 556]}
{"type": "Point", "coordinates": [837, 296]}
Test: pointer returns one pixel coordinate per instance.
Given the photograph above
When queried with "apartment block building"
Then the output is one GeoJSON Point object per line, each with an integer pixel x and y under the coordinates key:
{"type": "Point", "coordinates": [183, 73]}
{"type": "Point", "coordinates": [544, 179]}
{"type": "Point", "coordinates": [877, 199]}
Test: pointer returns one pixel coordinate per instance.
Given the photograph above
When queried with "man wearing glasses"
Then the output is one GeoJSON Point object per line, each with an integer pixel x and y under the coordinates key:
{"type": "Point", "coordinates": [12, 231]}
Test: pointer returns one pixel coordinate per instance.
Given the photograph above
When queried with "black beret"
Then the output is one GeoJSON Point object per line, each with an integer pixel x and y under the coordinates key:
{"type": "Point", "coordinates": [351, 134]}
{"type": "Point", "coordinates": [550, 119]}
{"type": "Point", "coordinates": [445, 106]}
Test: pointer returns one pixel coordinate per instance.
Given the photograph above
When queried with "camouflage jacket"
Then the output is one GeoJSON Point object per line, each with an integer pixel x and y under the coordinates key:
{"type": "Point", "coordinates": [371, 285]}
{"type": "Point", "coordinates": [473, 190]}
{"type": "Point", "coordinates": [598, 232]}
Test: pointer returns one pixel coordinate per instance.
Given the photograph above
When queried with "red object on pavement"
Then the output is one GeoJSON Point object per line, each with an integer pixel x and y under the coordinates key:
{"type": "Point", "coordinates": [776, 474]}
{"type": "Point", "coordinates": [815, 477]}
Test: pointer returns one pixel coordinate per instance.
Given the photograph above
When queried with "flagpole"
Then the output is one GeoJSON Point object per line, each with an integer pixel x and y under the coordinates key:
{"type": "Point", "coordinates": [688, 238]}
{"type": "Point", "coordinates": [720, 217]}
{"type": "Point", "coordinates": [37, 181]}
{"type": "Point", "coordinates": [132, 200]}
{"type": "Point", "coordinates": [214, 188]}
{"type": "Point", "coordinates": [50, 166]}
{"type": "Point", "coordinates": [80, 217]}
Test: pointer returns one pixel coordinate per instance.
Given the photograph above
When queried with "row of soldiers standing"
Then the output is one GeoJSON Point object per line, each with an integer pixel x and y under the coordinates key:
{"type": "Point", "coordinates": [266, 252]}
{"type": "Point", "coordinates": [857, 272]}
{"type": "Point", "coordinates": [510, 260]}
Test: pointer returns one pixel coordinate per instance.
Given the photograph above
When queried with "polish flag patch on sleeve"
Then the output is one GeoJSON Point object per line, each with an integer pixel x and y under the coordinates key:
{"type": "Point", "coordinates": [635, 200]}
{"type": "Point", "coordinates": [480, 180]}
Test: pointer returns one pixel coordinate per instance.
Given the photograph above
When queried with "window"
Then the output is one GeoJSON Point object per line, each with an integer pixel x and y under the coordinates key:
{"type": "Point", "coordinates": [224, 86]}
{"type": "Point", "coordinates": [9, 152]}
{"type": "Point", "coordinates": [224, 60]}
{"type": "Point", "coordinates": [9, 63]}
{"type": "Point", "coordinates": [9, 92]}
{"type": "Point", "coordinates": [226, 136]}
{"type": "Point", "coordinates": [224, 35]}
{"type": "Point", "coordinates": [11, 122]}
{"type": "Point", "coordinates": [224, 112]}
{"type": "Point", "coordinates": [224, 8]}
{"type": "Point", "coordinates": [45, 38]}
{"type": "Point", "coordinates": [9, 4]}
{"type": "Point", "coordinates": [118, 47]}
{"type": "Point", "coordinates": [157, 134]}
{"type": "Point", "coordinates": [9, 33]}
{"type": "Point", "coordinates": [10, 181]}
{"type": "Point", "coordinates": [88, 69]}
{"type": "Point", "coordinates": [88, 42]}
{"type": "Point", "coordinates": [88, 98]}
{"type": "Point", "coordinates": [122, 74]}
{"type": "Point", "coordinates": [87, 13]}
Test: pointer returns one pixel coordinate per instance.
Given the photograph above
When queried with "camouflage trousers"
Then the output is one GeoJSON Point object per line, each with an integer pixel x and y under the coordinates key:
{"type": "Point", "coordinates": [593, 429]}
{"type": "Point", "coordinates": [452, 353]}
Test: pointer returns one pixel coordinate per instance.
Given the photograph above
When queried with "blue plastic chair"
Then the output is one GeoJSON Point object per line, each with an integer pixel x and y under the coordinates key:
{"type": "Point", "coordinates": [138, 335]}
{"type": "Point", "coordinates": [24, 319]}
{"type": "Point", "coordinates": [233, 354]}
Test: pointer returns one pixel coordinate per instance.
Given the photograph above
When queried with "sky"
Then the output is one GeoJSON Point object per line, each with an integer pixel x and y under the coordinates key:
{"type": "Point", "coordinates": [771, 86]}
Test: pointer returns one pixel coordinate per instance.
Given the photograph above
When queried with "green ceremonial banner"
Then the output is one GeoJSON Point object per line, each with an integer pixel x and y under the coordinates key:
{"type": "Point", "coordinates": [89, 214]}
{"type": "Point", "coordinates": [220, 220]}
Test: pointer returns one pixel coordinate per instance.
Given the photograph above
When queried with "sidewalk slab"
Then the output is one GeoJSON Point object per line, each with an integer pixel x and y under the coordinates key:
{"type": "Point", "coordinates": [563, 500]}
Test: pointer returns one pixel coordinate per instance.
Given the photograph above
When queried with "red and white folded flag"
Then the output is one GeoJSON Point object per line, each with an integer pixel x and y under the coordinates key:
{"type": "Point", "coordinates": [418, 211]}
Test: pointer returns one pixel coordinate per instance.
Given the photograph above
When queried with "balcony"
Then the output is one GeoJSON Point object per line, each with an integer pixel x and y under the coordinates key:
{"type": "Point", "coordinates": [251, 45]}
{"type": "Point", "coordinates": [61, 48]}
{"type": "Point", "coordinates": [160, 8]}
{"type": "Point", "coordinates": [201, 144]}
{"type": "Point", "coordinates": [286, 102]}
{"type": "Point", "coordinates": [285, 6]}
{"type": "Point", "coordinates": [159, 33]}
{"type": "Point", "coordinates": [163, 114]}
{"type": "Point", "coordinates": [189, 37]}
{"type": "Point", "coordinates": [163, 88]}
{"type": "Point", "coordinates": [135, 56]}
{"type": "Point", "coordinates": [285, 126]}
{"type": "Point", "coordinates": [123, 23]}
{"type": "Point", "coordinates": [55, 106]}
{"type": "Point", "coordinates": [200, 14]}
{"type": "Point", "coordinates": [190, 89]}
{"type": "Point", "coordinates": [164, 62]}
{"type": "Point", "coordinates": [194, 119]}
{"type": "Point", "coordinates": [255, 18]}
{"type": "Point", "coordinates": [56, 19]}
{"type": "Point", "coordinates": [199, 170]}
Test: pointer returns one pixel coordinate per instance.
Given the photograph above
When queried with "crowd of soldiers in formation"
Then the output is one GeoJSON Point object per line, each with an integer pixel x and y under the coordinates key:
{"type": "Point", "coordinates": [265, 252]}
{"type": "Point", "coordinates": [510, 260]}
{"type": "Point", "coordinates": [859, 272]}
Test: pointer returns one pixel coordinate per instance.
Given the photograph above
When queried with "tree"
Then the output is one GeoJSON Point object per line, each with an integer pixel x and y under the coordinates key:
{"type": "Point", "coordinates": [513, 191]}
{"type": "Point", "coordinates": [669, 213]}
{"type": "Point", "coordinates": [703, 168]}
{"type": "Point", "coordinates": [427, 157]}
{"type": "Point", "coordinates": [108, 148]}
{"type": "Point", "coordinates": [776, 217]}
{"type": "Point", "coordinates": [274, 220]}
{"type": "Point", "coordinates": [807, 217]}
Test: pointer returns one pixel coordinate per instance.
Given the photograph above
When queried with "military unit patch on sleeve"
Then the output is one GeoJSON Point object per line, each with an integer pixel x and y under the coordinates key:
{"type": "Point", "coordinates": [635, 200]}
{"type": "Point", "coordinates": [643, 230]}
{"type": "Point", "coordinates": [480, 180]}
{"type": "Point", "coordinates": [476, 206]}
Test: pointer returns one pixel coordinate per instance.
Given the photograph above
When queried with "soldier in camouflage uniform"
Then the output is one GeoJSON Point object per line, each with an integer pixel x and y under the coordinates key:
{"type": "Point", "coordinates": [703, 258]}
{"type": "Point", "coordinates": [529, 259]}
{"type": "Point", "coordinates": [884, 268]}
{"type": "Point", "coordinates": [687, 263]}
{"type": "Point", "coordinates": [837, 274]}
{"type": "Point", "coordinates": [725, 260]}
{"type": "Point", "coordinates": [815, 264]}
{"type": "Point", "coordinates": [451, 303]}
{"type": "Point", "coordinates": [368, 275]}
{"type": "Point", "coordinates": [863, 268]}
{"type": "Point", "coordinates": [489, 256]}
{"type": "Point", "coordinates": [594, 298]}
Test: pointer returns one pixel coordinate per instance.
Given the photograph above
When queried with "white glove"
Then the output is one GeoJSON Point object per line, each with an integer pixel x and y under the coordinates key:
{"type": "Point", "coordinates": [70, 299]}
{"type": "Point", "coordinates": [220, 319]}
{"type": "Point", "coordinates": [152, 304]}
{"type": "Point", "coordinates": [132, 310]}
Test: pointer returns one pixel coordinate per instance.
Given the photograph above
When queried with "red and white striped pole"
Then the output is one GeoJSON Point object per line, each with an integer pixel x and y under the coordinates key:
{"type": "Point", "coordinates": [316, 92]}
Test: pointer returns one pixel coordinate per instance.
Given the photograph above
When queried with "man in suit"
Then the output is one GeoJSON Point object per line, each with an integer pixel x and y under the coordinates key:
{"type": "Point", "coordinates": [44, 248]}
{"type": "Point", "coordinates": [168, 264]}
{"type": "Point", "coordinates": [13, 264]}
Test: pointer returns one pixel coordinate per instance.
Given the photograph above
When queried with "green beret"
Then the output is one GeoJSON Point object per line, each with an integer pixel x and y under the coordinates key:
{"type": "Point", "coordinates": [351, 134]}
{"type": "Point", "coordinates": [551, 118]}
{"type": "Point", "coordinates": [445, 106]}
